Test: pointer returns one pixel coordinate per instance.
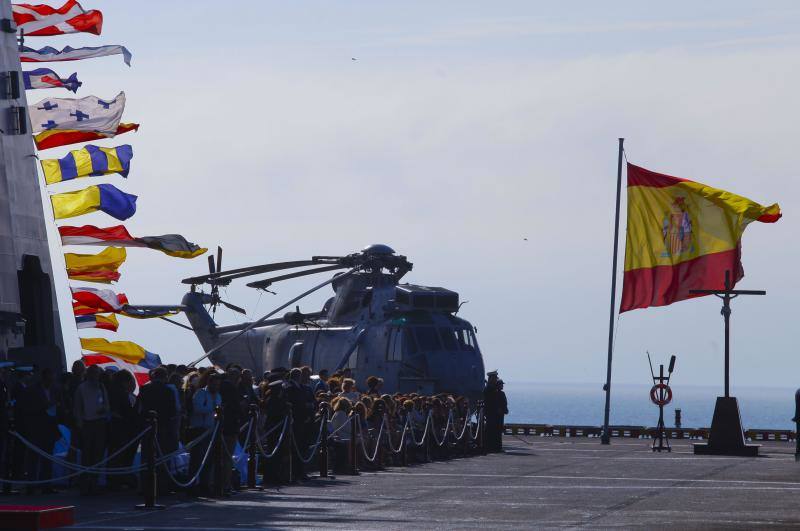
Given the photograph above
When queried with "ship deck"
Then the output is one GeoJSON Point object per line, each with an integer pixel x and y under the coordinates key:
{"type": "Point", "coordinates": [539, 482]}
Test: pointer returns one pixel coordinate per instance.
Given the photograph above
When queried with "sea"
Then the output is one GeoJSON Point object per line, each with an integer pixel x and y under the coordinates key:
{"type": "Point", "coordinates": [583, 404]}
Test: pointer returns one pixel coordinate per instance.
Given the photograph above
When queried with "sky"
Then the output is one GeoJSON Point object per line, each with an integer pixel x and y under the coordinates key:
{"type": "Point", "coordinates": [453, 131]}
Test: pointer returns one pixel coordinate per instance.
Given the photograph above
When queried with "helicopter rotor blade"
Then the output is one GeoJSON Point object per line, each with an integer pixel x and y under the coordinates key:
{"type": "Point", "coordinates": [269, 281]}
{"type": "Point", "coordinates": [254, 324]}
{"type": "Point", "coordinates": [233, 307]}
{"type": "Point", "coordinates": [224, 277]}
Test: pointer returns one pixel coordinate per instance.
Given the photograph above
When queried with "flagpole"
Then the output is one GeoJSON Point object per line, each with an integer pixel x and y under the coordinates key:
{"type": "Point", "coordinates": [605, 438]}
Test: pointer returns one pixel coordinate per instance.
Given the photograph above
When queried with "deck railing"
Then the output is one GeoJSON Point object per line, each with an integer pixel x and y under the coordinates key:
{"type": "Point", "coordinates": [637, 432]}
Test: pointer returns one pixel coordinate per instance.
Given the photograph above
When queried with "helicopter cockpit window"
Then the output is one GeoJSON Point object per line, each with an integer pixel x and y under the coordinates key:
{"type": "Point", "coordinates": [472, 343]}
{"type": "Point", "coordinates": [352, 361]}
{"type": "Point", "coordinates": [397, 338]}
{"type": "Point", "coordinates": [449, 338]}
{"type": "Point", "coordinates": [465, 339]}
{"type": "Point", "coordinates": [427, 338]}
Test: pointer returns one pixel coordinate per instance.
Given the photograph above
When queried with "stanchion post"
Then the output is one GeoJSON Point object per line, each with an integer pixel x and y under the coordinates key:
{"type": "Point", "coordinates": [352, 456]}
{"type": "Point", "coordinates": [251, 449]}
{"type": "Point", "coordinates": [219, 457]}
{"type": "Point", "coordinates": [290, 445]}
{"type": "Point", "coordinates": [404, 446]}
{"type": "Point", "coordinates": [465, 436]}
{"type": "Point", "coordinates": [150, 480]}
{"type": "Point", "coordinates": [428, 435]}
{"type": "Point", "coordinates": [323, 448]}
{"type": "Point", "coordinates": [8, 458]}
{"type": "Point", "coordinates": [481, 432]}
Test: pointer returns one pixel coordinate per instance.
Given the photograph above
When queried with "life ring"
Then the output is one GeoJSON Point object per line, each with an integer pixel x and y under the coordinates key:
{"type": "Point", "coordinates": [661, 394]}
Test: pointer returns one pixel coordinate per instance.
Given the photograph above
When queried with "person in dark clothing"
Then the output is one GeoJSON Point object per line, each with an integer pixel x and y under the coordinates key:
{"type": "Point", "coordinates": [248, 397]}
{"type": "Point", "coordinates": [124, 425]}
{"type": "Point", "coordinates": [69, 386]}
{"type": "Point", "coordinates": [157, 396]}
{"type": "Point", "coordinates": [322, 384]}
{"type": "Point", "coordinates": [492, 413]}
{"type": "Point", "coordinates": [231, 422]}
{"type": "Point", "coordinates": [91, 417]}
{"type": "Point", "coordinates": [297, 398]}
{"type": "Point", "coordinates": [502, 407]}
{"type": "Point", "coordinates": [274, 409]}
{"type": "Point", "coordinates": [796, 420]}
{"type": "Point", "coordinates": [37, 422]}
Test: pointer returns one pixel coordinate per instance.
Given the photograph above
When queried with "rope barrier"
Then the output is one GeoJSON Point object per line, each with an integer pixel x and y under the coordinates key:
{"type": "Point", "coordinates": [202, 466]}
{"type": "Point", "coordinates": [334, 432]}
{"type": "Point", "coordinates": [306, 461]}
{"type": "Point", "coordinates": [377, 442]}
{"type": "Point", "coordinates": [402, 437]}
{"type": "Point", "coordinates": [82, 469]}
{"type": "Point", "coordinates": [408, 427]}
{"type": "Point", "coordinates": [277, 444]}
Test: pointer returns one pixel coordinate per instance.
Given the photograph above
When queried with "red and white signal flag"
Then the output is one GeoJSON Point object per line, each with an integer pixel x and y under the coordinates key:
{"type": "Point", "coordinates": [41, 20]}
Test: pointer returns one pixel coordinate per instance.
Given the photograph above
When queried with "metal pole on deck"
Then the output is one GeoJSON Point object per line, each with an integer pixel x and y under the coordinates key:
{"type": "Point", "coordinates": [605, 438]}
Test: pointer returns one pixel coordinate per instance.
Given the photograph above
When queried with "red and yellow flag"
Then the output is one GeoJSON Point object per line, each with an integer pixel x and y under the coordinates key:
{"type": "Point", "coordinates": [682, 235]}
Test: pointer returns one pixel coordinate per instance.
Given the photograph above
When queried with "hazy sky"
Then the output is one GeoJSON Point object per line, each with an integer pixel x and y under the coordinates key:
{"type": "Point", "coordinates": [461, 128]}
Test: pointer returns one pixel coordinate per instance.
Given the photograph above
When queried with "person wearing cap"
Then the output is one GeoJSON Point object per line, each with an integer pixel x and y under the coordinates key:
{"type": "Point", "coordinates": [492, 413]}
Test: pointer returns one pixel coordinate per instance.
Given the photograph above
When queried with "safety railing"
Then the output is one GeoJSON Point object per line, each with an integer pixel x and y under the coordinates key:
{"type": "Point", "coordinates": [638, 432]}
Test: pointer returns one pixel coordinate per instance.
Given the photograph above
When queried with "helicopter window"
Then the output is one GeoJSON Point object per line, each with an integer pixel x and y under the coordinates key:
{"type": "Point", "coordinates": [448, 338]}
{"type": "Point", "coordinates": [462, 338]}
{"type": "Point", "coordinates": [411, 343]}
{"type": "Point", "coordinates": [394, 350]}
{"type": "Point", "coordinates": [472, 343]}
{"type": "Point", "coordinates": [352, 361]}
{"type": "Point", "coordinates": [427, 338]}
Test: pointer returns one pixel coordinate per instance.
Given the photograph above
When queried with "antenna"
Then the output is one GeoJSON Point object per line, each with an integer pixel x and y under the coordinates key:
{"type": "Point", "coordinates": [651, 365]}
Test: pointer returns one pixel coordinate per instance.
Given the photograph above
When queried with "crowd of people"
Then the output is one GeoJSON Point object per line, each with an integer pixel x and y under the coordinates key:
{"type": "Point", "coordinates": [99, 412]}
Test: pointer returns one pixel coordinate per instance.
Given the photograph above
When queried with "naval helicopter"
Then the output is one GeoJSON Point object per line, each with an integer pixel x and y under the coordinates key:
{"type": "Point", "coordinates": [407, 334]}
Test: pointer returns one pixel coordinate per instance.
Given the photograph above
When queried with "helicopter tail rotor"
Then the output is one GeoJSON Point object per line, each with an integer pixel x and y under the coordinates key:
{"type": "Point", "coordinates": [214, 269]}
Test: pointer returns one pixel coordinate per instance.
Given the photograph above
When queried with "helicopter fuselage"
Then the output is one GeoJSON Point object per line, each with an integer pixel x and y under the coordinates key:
{"type": "Point", "coordinates": [406, 334]}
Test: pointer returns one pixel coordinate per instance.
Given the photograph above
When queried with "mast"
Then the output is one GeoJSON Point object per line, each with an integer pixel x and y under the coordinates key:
{"type": "Point", "coordinates": [30, 328]}
{"type": "Point", "coordinates": [605, 438]}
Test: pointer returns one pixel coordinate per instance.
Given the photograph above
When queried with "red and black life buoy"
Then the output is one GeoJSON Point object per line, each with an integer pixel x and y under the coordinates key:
{"type": "Point", "coordinates": [661, 394]}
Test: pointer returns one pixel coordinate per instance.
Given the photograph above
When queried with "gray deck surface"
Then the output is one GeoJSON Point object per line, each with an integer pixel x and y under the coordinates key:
{"type": "Point", "coordinates": [537, 483]}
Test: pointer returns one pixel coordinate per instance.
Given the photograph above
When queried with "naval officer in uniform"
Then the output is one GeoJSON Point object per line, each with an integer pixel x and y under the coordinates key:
{"type": "Point", "coordinates": [495, 408]}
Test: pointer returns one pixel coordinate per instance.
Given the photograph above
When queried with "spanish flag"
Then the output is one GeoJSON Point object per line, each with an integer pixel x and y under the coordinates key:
{"type": "Point", "coordinates": [100, 267]}
{"type": "Point", "coordinates": [89, 161]}
{"type": "Point", "coordinates": [682, 235]}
